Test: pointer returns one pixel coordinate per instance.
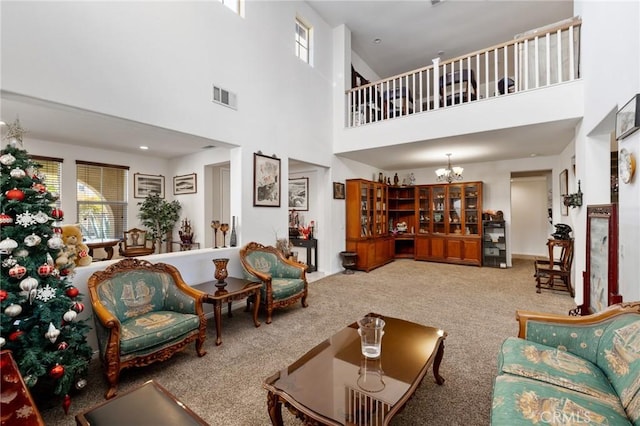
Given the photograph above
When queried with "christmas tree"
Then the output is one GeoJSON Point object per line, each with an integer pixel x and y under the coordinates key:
{"type": "Point", "coordinates": [38, 303]}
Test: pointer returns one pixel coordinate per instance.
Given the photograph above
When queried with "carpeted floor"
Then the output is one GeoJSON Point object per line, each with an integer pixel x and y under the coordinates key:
{"type": "Point", "coordinates": [475, 306]}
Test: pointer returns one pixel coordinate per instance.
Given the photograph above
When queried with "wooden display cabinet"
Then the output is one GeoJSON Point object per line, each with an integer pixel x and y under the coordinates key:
{"type": "Point", "coordinates": [367, 227]}
{"type": "Point", "coordinates": [449, 228]}
{"type": "Point", "coordinates": [402, 220]}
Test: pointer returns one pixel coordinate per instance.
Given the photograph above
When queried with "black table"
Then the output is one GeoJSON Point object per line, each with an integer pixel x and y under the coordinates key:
{"type": "Point", "coordinates": [310, 244]}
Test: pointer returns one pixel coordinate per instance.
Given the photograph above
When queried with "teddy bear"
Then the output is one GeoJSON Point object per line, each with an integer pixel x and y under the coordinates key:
{"type": "Point", "coordinates": [74, 249]}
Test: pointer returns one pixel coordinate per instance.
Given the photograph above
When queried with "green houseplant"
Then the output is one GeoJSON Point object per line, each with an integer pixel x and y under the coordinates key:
{"type": "Point", "coordinates": [159, 216]}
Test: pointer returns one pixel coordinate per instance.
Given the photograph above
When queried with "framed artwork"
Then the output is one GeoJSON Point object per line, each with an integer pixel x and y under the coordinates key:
{"type": "Point", "coordinates": [266, 181]}
{"type": "Point", "coordinates": [628, 118]}
{"type": "Point", "coordinates": [299, 194]}
{"type": "Point", "coordinates": [144, 185]}
{"type": "Point", "coordinates": [601, 275]}
{"type": "Point", "coordinates": [564, 191]}
{"type": "Point", "coordinates": [185, 184]}
{"type": "Point", "coordinates": [338, 191]}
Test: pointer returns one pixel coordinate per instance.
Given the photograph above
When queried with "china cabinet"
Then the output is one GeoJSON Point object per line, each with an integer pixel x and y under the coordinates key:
{"type": "Point", "coordinates": [448, 217]}
{"type": "Point", "coordinates": [367, 228]}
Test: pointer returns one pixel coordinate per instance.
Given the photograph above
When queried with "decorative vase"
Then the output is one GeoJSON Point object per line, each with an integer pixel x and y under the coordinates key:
{"type": "Point", "coordinates": [233, 240]}
{"type": "Point", "coordinates": [221, 271]}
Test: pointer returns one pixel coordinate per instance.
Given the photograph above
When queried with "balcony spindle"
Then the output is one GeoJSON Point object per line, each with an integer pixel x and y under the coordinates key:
{"type": "Point", "coordinates": [548, 57]}
{"type": "Point", "coordinates": [572, 74]}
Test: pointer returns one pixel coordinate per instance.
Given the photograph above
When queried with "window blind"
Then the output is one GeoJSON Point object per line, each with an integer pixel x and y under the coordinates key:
{"type": "Point", "coordinates": [102, 199]}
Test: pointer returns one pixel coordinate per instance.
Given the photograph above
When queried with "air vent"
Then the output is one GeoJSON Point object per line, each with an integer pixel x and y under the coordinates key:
{"type": "Point", "coordinates": [224, 97]}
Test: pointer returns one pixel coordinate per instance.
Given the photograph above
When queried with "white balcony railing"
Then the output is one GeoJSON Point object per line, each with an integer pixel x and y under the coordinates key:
{"type": "Point", "coordinates": [539, 58]}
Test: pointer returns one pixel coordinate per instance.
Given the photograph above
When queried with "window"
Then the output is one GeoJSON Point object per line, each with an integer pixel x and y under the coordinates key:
{"type": "Point", "coordinates": [302, 41]}
{"type": "Point", "coordinates": [234, 5]}
{"type": "Point", "coordinates": [102, 199]}
{"type": "Point", "coordinates": [52, 170]}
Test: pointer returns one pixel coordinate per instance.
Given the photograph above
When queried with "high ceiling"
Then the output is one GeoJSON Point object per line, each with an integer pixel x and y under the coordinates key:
{"type": "Point", "coordinates": [412, 33]}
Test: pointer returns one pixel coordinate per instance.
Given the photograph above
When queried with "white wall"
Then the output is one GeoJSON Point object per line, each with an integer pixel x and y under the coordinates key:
{"type": "Point", "coordinates": [155, 63]}
{"type": "Point", "coordinates": [611, 30]}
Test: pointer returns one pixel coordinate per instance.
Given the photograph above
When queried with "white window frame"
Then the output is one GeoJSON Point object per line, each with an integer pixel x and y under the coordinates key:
{"type": "Point", "coordinates": [302, 49]}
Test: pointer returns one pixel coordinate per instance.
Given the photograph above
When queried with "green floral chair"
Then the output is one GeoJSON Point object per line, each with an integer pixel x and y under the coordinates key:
{"type": "Point", "coordinates": [284, 281]}
{"type": "Point", "coordinates": [143, 313]}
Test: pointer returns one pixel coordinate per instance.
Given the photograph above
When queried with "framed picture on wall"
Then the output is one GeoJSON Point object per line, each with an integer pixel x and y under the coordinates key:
{"type": "Point", "coordinates": [601, 275]}
{"type": "Point", "coordinates": [185, 184]}
{"type": "Point", "coordinates": [338, 191]}
{"type": "Point", "coordinates": [299, 194]}
{"type": "Point", "coordinates": [564, 190]}
{"type": "Point", "coordinates": [144, 185]}
{"type": "Point", "coordinates": [266, 181]}
{"type": "Point", "coordinates": [628, 118]}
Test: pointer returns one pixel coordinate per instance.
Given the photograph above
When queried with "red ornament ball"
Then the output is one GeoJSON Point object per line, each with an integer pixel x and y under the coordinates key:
{"type": "Point", "coordinates": [72, 291]}
{"type": "Point", "coordinates": [5, 219]}
{"type": "Point", "coordinates": [15, 335]}
{"type": "Point", "coordinates": [14, 194]}
{"type": "Point", "coordinates": [3, 295]}
{"type": "Point", "coordinates": [57, 214]}
{"type": "Point", "coordinates": [78, 307]}
{"type": "Point", "coordinates": [62, 346]}
{"type": "Point", "coordinates": [57, 371]}
{"type": "Point", "coordinates": [45, 270]}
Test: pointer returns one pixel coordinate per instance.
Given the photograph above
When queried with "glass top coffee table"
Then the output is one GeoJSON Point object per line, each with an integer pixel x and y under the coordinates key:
{"type": "Point", "coordinates": [334, 384]}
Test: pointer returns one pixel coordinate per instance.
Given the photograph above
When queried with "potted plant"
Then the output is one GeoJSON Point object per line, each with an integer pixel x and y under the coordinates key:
{"type": "Point", "coordinates": [159, 216]}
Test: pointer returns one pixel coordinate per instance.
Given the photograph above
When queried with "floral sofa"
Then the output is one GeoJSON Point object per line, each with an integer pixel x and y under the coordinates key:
{"type": "Point", "coordinates": [564, 370]}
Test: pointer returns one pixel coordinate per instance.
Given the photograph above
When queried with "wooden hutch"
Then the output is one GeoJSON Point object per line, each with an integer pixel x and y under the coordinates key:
{"type": "Point", "coordinates": [367, 228]}
{"type": "Point", "coordinates": [440, 222]}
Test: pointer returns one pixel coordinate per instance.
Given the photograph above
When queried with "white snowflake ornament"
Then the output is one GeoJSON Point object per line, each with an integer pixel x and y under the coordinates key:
{"type": "Point", "coordinates": [25, 219]}
{"type": "Point", "coordinates": [46, 293]}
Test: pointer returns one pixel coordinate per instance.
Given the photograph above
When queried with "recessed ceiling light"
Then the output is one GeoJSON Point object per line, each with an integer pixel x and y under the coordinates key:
{"type": "Point", "coordinates": [533, 155]}
{"type": "Point", "coordinates": [377, 40]}
{"type": "Point", "coordinates": [144, 147]}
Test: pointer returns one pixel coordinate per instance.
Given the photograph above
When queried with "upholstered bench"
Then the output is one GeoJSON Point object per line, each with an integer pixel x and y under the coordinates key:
{"type": "Point", "coordinates": [571, 370]}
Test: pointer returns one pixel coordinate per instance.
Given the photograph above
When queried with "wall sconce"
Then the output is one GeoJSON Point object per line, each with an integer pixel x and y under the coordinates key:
{"type": "Point", "coordinates": [573, 200]}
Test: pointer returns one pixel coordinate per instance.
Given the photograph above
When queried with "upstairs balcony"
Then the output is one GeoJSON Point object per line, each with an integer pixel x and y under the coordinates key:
{"type": "Point", "coordinates": [546, 58]}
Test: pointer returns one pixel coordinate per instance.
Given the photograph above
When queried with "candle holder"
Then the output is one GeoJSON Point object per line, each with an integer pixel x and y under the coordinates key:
{"type": "Point", "coordinates": [221, 272]}
{"type": "Point", "coordinates": [215, 224]}
{"type": "Point", "coordinates": [224, 227]}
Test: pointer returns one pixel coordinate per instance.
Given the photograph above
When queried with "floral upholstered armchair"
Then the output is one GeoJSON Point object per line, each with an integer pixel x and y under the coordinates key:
{"type": "Point", "coordinates": [284, 281]}
{"type": "Point", "coordinates": [144, 313]}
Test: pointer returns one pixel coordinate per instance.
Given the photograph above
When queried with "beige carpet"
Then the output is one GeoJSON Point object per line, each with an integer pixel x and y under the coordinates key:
{"type": "Point", "coordinates": [475, 306]}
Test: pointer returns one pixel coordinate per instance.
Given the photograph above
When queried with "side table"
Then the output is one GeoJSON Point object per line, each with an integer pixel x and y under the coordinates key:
{"type": "Point", "coordinates": [235, 289]}
{"type": "Point", "coordinates": [104, 243]}
{"type": "Point", "coordinates": [148, 404]}
{"type": "Point", "coordinates": [310, 244]}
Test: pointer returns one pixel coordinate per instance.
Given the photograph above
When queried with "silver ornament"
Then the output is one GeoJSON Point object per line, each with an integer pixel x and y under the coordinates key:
{"type": "Point", "coordinates": [41, 217]}
{"type": "Point", "coordinates": [55, 242]}
{"type": "Point", "coordinates": [28, 284]}
{"type": "Point", "coordinates": [17, 173]}
{"type": "Point", "coordinates": [9, 262]}
{"type": "Point", "coordinates": [80, 384]}
{"type": "Point", "coordinates": [7, 159]}
{"type": "Point", "coordinates": [2, 341]}
{"type": "Point", "coordinates": [52, 334]}
{"type": "Point", "coordinates": [8, 245]}
{"type": "Point", "coordinates": [24, 253]}
{"type": "Point", "coordinates": [13, 310]}
{"type": "Point", "coordinates": [32, 240]}
{"type": "Point", "coordinates": [70, 315]}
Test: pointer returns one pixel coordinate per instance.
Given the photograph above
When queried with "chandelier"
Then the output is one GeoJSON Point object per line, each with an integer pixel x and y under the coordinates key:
{"type": "Point", "coordinates": [450, 173]}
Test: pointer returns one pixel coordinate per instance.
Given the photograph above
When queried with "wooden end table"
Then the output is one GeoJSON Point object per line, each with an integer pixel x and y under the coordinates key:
{"type": "Point", "coordinates": [236, 289]}
{"type": "Point", "coordinates": [107, 244]}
